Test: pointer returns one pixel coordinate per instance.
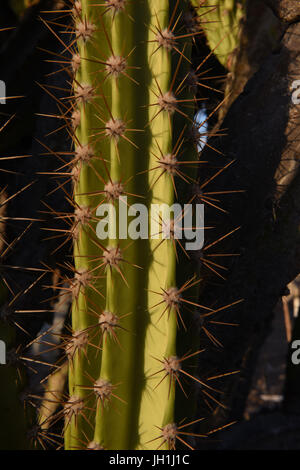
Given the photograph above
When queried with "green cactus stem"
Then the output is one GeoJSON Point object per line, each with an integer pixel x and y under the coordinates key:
{"type": "Point", "coordinates": [130, 296]}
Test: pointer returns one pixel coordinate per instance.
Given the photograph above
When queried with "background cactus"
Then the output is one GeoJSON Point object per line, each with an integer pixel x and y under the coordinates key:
{"type": "Point", "coordinates": [221, 24]}
{"type": "Point", "coordinates": [132, 346]}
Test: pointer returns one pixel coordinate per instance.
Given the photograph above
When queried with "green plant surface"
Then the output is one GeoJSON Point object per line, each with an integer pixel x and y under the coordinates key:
{"type": "Point", "coordinates": [132, 345]}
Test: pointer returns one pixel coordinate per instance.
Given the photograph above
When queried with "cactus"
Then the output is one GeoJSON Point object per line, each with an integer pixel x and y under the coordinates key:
{"type": "Point", "coordinates": [132, 347]}
{"type": "Point", "coordinates": [221, 25]}
{"type": "Point", "coordinates": [128, 296]}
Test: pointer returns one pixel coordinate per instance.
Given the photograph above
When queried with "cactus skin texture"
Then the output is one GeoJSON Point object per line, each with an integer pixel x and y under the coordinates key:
{"type": "Point", "coordinates": [135, 108]}
{"type": "Point", "coordinates": [221, 25]}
